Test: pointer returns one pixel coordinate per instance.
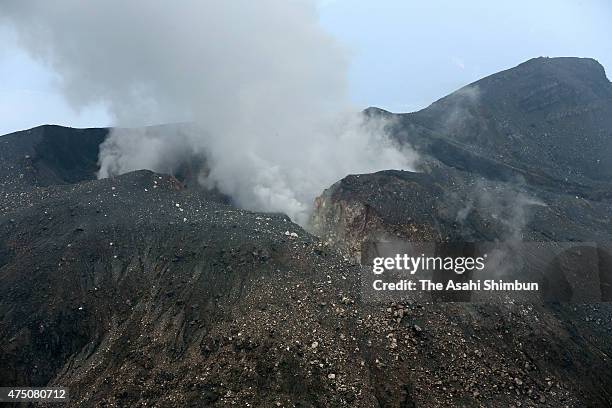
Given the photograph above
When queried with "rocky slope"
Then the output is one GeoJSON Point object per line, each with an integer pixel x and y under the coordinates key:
{"type": "Point", "coordinates": [548, 120]}
{"type": "Point", "coordinates": [49, 155]}
{"type": "Point", "coordinates": [137, 291]}
{"type": "Point", "coordinates": [521, 154]}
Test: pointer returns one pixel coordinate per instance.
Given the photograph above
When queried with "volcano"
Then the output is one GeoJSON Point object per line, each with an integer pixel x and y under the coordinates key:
{"type": "Point", "coordinates": [144, 290]}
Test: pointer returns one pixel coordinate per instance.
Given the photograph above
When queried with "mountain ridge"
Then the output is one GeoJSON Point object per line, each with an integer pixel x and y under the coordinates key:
{"type": "Point", "coordinates": [139, 290]}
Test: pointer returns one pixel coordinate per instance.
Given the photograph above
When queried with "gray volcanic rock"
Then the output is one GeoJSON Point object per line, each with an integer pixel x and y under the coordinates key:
{"type": "Point", "coordinates": [49, 155]}
{"type": "Point", "coordinates": [447, 205]}
{"type": "Point", "coordinates": [525, 154]}
{"type": "Point", "coordinates": [548, 120]}
{"type": "Point", "coordinates": [137, 291]}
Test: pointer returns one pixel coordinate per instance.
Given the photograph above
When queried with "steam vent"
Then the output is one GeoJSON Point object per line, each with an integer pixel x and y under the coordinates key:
{"type": "Point", "coordinates": [151, 289]}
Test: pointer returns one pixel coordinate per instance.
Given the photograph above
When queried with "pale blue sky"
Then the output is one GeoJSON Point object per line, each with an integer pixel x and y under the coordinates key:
{"type": "Point", "coordinates": [405, 54]}
{"type": "Point", "coordinates": [28, 95]}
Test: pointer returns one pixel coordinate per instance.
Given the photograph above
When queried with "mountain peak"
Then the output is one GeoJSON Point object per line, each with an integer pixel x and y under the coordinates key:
{"type": "Point", "coordinates": [583, 67]}
{"type": "Point", "coordinates": [547, 116]}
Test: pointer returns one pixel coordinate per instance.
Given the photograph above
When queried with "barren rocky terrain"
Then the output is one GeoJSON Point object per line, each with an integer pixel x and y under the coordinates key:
{"type": "Point", "coordinates": [141, 291]}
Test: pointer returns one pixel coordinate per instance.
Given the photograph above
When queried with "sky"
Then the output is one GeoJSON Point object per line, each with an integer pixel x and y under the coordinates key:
{"type": "Point", "coordinates": [404, 54]}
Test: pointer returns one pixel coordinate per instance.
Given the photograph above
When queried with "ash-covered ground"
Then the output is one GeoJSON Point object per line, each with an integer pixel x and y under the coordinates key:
{"type": "Point", "coordinates": [140, 291]}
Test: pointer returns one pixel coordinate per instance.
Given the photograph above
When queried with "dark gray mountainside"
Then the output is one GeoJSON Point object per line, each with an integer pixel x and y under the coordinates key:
{"type": "Point", "coordinates": [138, 290]}
{"type": "Point", "coordinates": [522, 154]}
{"type": "Point", "coordinates": [548, 120]}
{"type": "Point", "coordinates": [49, 155]}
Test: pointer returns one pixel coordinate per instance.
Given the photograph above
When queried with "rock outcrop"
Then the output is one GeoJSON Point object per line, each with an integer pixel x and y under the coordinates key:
{"type": "Point", "coordinates": [139, 290]}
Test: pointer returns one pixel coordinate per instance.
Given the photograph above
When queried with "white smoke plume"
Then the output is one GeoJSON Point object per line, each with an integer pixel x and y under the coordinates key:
{"type": "Point", "coordinates": [263, 84]}
{"type": "Point", "coordinates": [505, 203]}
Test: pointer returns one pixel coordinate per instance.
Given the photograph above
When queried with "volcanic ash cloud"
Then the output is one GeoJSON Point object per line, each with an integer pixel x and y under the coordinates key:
{"type": "Point", "coordinates": [262, 84]}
